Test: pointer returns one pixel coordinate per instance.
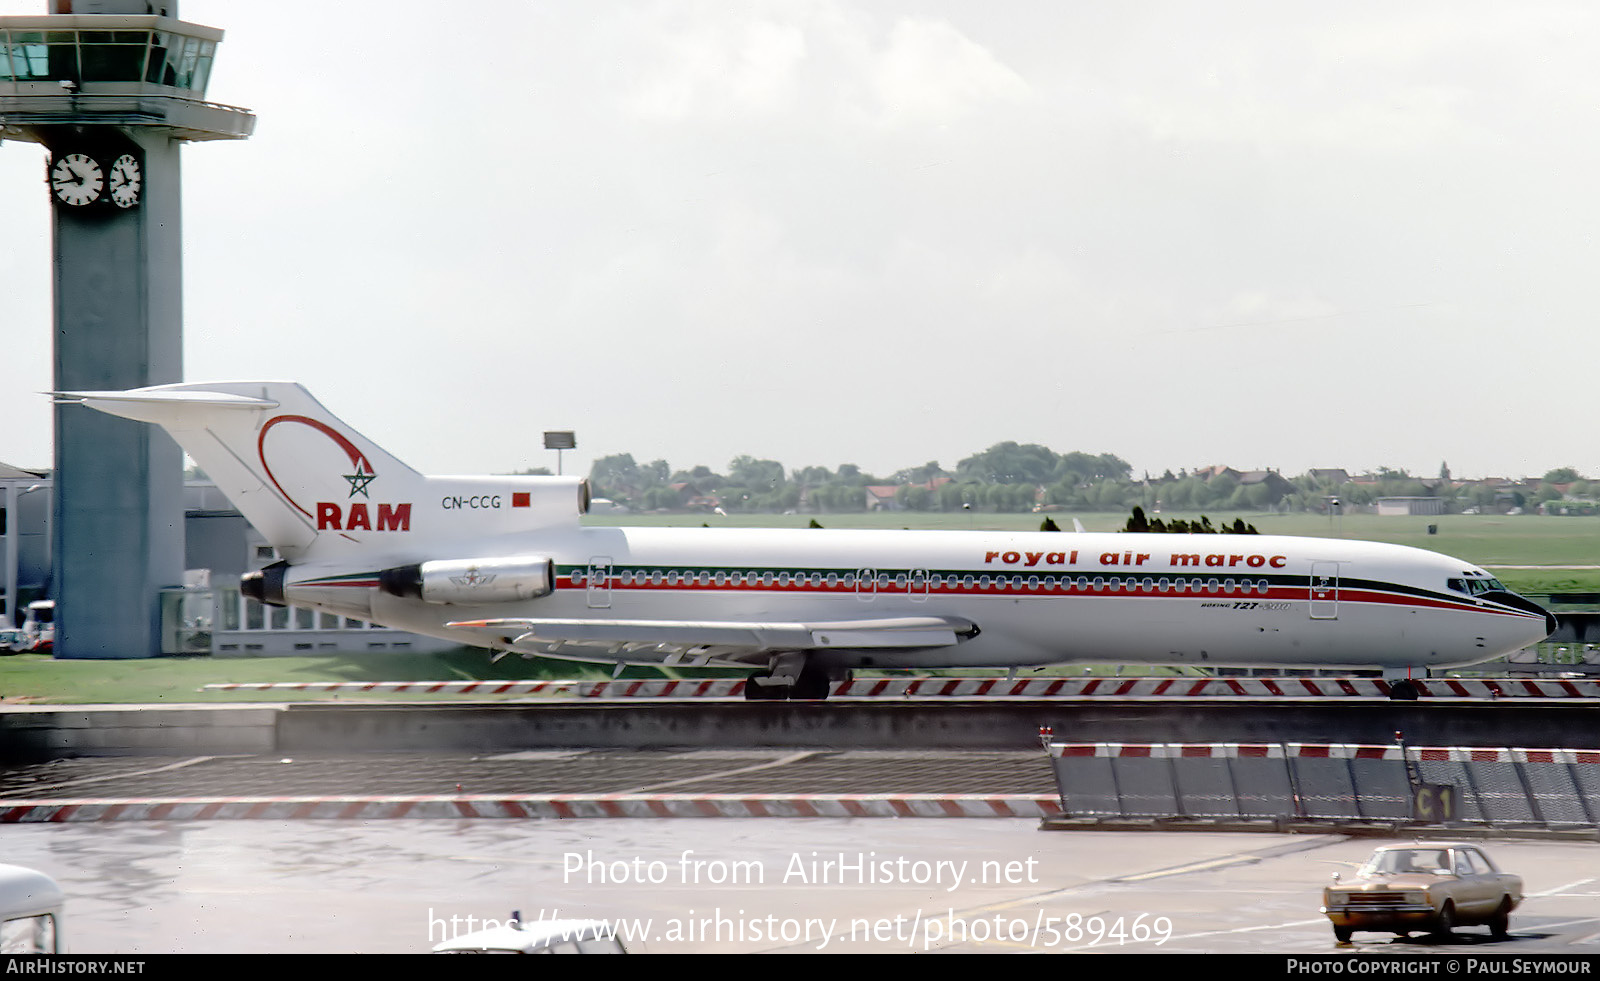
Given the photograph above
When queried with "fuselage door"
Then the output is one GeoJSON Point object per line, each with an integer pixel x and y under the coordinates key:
{"type": "Point", "coordinates": [919, 585]}
{"type": "Point", "coordinates": [599, 582]}
{"type": "Point", "coordinates": [1324, 591]}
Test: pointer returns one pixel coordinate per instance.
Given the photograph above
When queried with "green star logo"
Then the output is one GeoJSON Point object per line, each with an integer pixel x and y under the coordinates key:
{"type": "Point", "coordinates": [360, 479]}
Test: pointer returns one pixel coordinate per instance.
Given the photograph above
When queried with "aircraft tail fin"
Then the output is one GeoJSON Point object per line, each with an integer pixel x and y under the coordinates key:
{"type": "Point", "coordinates": [284, 460]}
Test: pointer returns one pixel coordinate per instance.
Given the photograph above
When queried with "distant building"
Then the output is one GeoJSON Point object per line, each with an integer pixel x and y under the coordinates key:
{"type": "Point", "coordinates": [206, 614]}
{"type": "Point", "coordinates": [1409, 506]}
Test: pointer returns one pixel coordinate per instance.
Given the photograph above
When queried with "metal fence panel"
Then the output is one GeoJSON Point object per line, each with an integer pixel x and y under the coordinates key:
{"type": "Point", "coordinates": [1554, 786]}
{"type": "Point", "coordinates": [1205, 785]}
{"type": "Point", "coordinates": [1144, 781]}
{"type": "Point", "coordinates": [1261, 779]}
{"type": "Point", "coordinates": [1088, 787]}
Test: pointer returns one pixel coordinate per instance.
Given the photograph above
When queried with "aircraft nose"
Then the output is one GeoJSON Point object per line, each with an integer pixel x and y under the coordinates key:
{"type": "Point", "coordinates": [1527, 606]}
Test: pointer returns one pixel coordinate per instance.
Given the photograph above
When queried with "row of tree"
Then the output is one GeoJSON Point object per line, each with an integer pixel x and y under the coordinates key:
{"type": "Point", "coordinates": [1013, 477]}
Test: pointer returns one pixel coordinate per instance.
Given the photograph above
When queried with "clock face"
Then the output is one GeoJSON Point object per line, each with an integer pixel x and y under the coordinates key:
{"type": "Point", "coordinates": [125, 181]}
{"type": "Point", "coordinates": [77, 179]}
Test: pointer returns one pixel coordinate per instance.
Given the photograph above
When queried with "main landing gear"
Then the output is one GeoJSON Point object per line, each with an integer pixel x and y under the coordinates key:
{"type": "Point", "coordinates": [810, 684]}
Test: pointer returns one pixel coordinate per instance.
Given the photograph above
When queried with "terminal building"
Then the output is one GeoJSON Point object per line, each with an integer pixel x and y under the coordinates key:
{"type": "Point", "coordinates": [207, 615]}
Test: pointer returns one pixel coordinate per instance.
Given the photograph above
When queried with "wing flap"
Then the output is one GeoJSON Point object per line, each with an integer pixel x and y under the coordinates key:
{"type": "Point", "coordinates": [892, 632]}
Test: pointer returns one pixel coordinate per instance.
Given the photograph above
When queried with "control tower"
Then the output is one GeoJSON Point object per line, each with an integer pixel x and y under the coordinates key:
{"type": "Point", "coordinates": [111, 89]}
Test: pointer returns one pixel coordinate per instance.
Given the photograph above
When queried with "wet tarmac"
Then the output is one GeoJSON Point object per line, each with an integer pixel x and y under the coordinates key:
{"type": "Point", "coordinates": [597, 771]}
{"type": "Point", "coordinates": [747, 886]}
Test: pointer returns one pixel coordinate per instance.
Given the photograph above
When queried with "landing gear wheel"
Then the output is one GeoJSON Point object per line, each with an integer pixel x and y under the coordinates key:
{"type": "Point", "coordinates": [754, 691]}
{"type": "Point", "coordinates": [1342, 934]}
{"type": "Point", "coordinates": [812, 685]}
{"type": "Point", "coordinates": [1403, 691]}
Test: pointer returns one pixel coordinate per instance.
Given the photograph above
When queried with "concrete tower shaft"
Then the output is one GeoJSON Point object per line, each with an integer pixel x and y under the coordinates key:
{"type": "Point", "coordinates": [112, 88]}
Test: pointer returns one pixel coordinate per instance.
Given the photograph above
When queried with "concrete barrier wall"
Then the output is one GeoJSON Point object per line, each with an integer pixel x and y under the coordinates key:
{"type": "Point", "coordinates": [33, 732]}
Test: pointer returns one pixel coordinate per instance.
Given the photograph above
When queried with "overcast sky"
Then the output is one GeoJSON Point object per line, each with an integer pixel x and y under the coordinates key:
{"type": "Point", "coordinates": [1267, 234]}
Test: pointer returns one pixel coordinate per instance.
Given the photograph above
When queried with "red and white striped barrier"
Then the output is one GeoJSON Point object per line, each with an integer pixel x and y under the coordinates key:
{"type": "Point", "coordinates": [1173, 751]}
{"type": "Point", "coordinates": [967, 688]}
{"type": "Point", "coordinates": [557, 806]}
{"type": "Point", "coordinates": [1332, 751]}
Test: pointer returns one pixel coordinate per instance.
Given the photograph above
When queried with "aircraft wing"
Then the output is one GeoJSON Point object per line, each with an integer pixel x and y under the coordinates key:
{"type": "Point", "coordinates": [724, 638]}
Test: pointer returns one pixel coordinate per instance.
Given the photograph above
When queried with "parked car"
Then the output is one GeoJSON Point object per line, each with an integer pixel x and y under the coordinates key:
{"type": "Point", "coordinates": [39, 626]}
{"type": "Point", "coordinates": [1423, 886]}
{"type": "Point", "coordinates": [13, 641]}
{"type": "Point", "coordinates": [30, 912]}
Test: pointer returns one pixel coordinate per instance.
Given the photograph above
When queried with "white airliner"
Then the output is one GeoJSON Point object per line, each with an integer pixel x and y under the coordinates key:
{"type": "Point", "coordinates": [504, 563]}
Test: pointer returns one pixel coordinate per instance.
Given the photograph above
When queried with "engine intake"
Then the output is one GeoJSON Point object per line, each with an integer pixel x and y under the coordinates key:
{"type": "Point", "coordinates": [469, 581]}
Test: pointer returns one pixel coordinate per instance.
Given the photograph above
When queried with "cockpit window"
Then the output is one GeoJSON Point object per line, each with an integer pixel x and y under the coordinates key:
{"type": "Point", "coordinates": [1476, 585]}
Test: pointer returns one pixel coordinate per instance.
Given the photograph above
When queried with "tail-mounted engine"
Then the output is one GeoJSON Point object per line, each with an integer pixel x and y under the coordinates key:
{"type": "Point", "coordinates": [469, 581]}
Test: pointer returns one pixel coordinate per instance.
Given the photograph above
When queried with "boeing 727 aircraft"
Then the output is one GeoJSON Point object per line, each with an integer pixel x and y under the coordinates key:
{"type": "Point", "coordinates": [504, 563]}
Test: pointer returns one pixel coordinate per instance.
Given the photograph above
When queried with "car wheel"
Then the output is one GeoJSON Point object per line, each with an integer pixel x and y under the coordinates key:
{"type": "Point", "coordinates": [1447, 920]}
{"type": "Point", "coordinates": [1500, 923]}
{"type": "Point", "coordinates": [1342, 934]}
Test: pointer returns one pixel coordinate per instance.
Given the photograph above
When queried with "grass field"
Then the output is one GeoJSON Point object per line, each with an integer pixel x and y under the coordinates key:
{"type": "Point", "coordinates": [1545, 543]}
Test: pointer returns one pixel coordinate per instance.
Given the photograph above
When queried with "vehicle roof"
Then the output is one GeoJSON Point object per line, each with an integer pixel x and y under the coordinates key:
{"type": "Point", "coordinates": [25, 892]}
{"type": "Point", "coordinates": [528, 936]}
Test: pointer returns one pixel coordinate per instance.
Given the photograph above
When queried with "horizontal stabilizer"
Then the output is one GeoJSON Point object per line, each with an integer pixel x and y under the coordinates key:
{"type": "Point", "coordinates": [896, 632]}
